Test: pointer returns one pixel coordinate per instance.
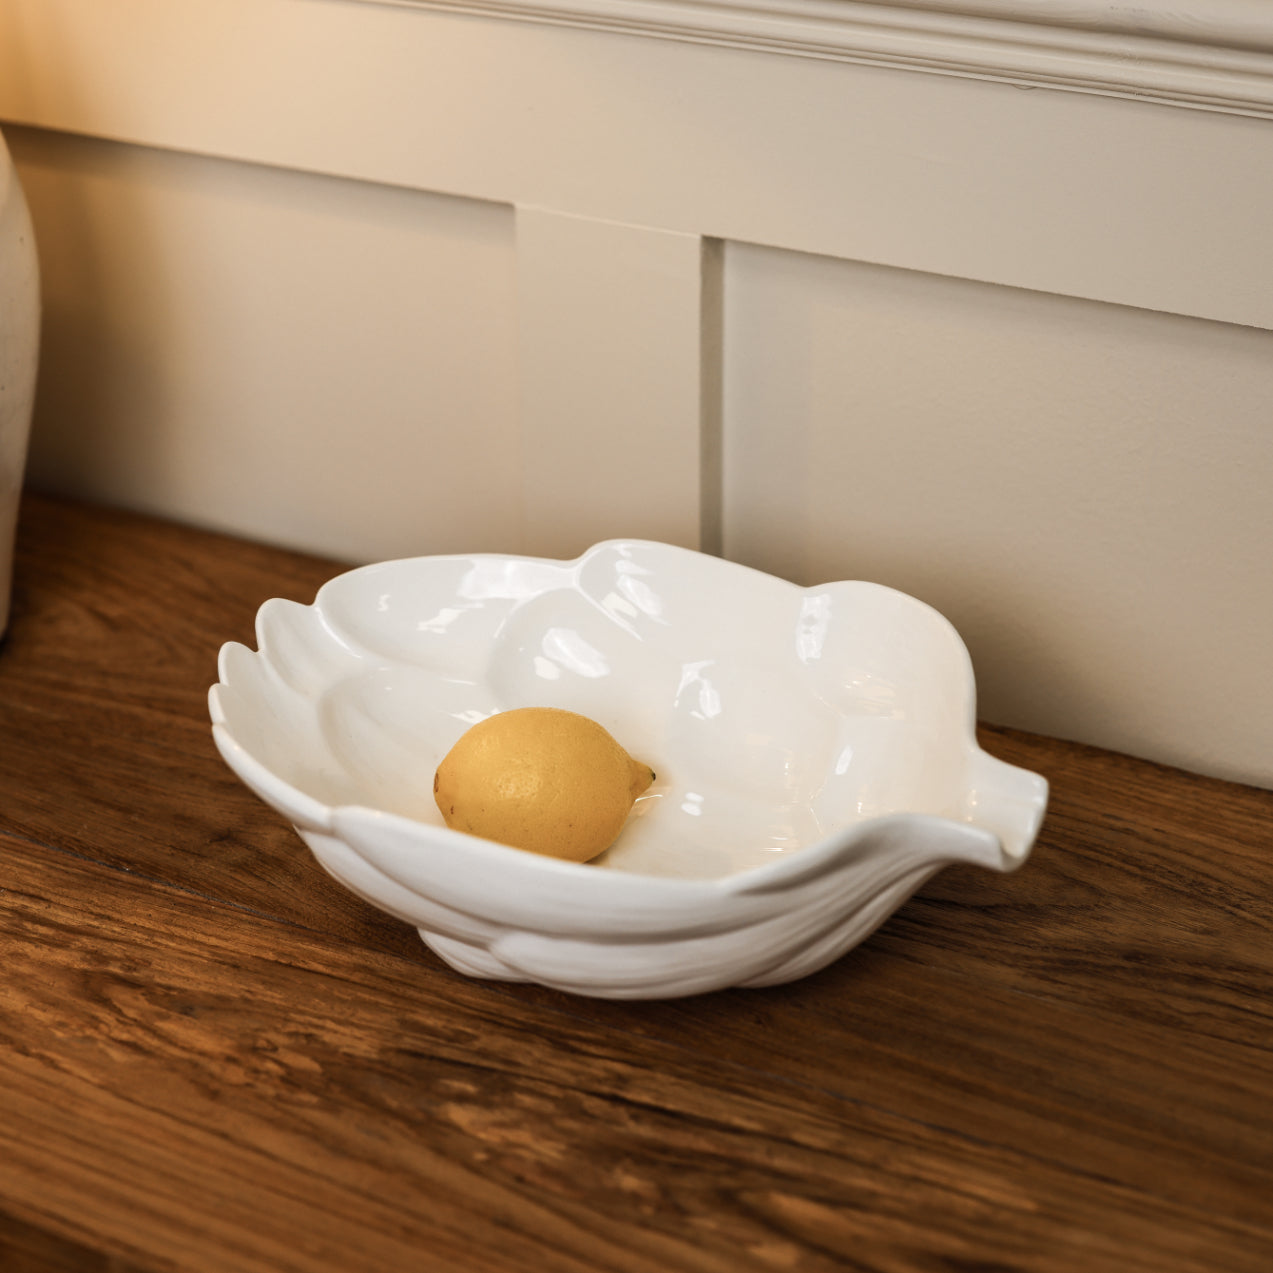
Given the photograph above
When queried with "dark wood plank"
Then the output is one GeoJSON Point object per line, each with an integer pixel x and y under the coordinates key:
{"type": "Point", "coordinates": [104, 675]}
{"type": "Point", "coordinates": [1095, 1027]}
{"type": "Point", "coordinates": [229, 1092]}
{"type": "Point", "coordinates": [28, 1248]}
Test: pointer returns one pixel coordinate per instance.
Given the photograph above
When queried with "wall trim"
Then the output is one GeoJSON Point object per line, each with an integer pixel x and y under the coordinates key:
{"type": "Point", "coordinates": [1074, 193]}
{"type": "Point", "coordinates": [1219, 58]}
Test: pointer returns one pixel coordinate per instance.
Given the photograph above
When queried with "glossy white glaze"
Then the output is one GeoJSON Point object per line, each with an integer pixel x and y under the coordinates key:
{"type": "Point", "coordinates": [814, 751]}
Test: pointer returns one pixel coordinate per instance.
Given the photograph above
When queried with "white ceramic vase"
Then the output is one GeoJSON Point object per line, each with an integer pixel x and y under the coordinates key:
{"type": "Point", "coordinates": [19, 351]}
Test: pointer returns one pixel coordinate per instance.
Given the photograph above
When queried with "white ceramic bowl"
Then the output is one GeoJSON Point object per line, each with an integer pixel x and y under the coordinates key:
{"type": "Point", "coordinates": [815, 753]}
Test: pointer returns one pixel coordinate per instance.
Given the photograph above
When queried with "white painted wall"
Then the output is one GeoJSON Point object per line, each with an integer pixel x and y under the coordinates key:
{"type": "Point", "coordinates": [308, 360]}
{"type": "Point", "coordinates": [974, 299]}
{"type": "Point", "coordinates": [1085, 490]}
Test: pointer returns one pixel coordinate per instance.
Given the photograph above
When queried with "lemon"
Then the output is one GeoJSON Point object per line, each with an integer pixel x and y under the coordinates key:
{"type": "Point", "coordinates": [541, 779]}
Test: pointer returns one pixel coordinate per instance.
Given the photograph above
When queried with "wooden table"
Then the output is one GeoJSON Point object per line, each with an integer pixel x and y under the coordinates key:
{"type": "Point", "coordinates": [214, 1058]}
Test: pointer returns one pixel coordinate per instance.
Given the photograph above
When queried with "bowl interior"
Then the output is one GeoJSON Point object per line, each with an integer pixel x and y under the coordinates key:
{"type": "Point", "coordinates": [773, 716]}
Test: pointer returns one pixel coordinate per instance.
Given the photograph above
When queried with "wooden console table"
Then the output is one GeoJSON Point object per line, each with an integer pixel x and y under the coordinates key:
{"type": "Point", "coordinates": [214, 1058]}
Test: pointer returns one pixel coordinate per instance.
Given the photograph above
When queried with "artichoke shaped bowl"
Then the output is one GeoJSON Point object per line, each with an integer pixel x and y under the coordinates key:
{"type": "Point", "coordinates": [815, 754]}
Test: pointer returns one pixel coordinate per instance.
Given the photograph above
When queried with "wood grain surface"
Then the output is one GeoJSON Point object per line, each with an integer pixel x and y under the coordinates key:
{"type": "Point", "coordinates": [212, 1057]}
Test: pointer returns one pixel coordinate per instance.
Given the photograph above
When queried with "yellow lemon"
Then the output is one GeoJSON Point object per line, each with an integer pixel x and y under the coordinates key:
{"type": "Point", "coordinates": [541, 779]}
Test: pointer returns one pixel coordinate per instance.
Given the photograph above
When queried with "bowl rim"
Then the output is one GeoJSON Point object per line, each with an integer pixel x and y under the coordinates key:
{"type": "Point", "coordinates": [308, 813]}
